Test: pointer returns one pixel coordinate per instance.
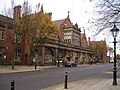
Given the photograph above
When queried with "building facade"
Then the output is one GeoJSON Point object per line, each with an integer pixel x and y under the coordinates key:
{"type": "Point", "coordinates": [67, 46]}
{"type": "Point", "coordinates": [6, 33]}
{"type": "Point", "coordinates": [70, 45]}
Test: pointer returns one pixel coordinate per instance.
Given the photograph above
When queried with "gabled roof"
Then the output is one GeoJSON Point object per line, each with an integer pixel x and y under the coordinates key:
{"type": "Point", "coordinates": [63, 21]}
{"type": "Point", "coordinates": [83, 36]}
{"type": "Point", "coordinates": [84, 42]}
{"type": "Point", "coordinates": [59, 22]}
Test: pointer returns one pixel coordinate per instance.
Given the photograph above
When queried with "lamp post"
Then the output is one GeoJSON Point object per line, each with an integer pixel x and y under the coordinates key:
{"type": "Point", "coordinates": [36, 56]}
{"type": "Point", "coordinates": [59, 52]}
{"type": "Point", "coordinates": [114, 31]}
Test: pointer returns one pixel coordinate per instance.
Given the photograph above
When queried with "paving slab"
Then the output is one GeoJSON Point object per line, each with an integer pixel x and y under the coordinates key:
{"type": "Point", "coordinates": [93, 84]}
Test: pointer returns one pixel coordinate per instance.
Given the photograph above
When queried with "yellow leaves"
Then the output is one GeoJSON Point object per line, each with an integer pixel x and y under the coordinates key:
{"type": "Point", "coordinates": [37, 26]}
{"type": "Point", "coordinates": [99, 47]}
{"type": "Point", "coordinates": [44, 24]}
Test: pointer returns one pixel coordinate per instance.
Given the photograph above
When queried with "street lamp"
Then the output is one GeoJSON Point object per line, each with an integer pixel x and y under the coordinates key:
{"type": "Point", "coordinates": [59, 52]}
{"type": "Point", "coordinates": [36, 57]}
{"type": "Point", "coordinates": [114, 31]}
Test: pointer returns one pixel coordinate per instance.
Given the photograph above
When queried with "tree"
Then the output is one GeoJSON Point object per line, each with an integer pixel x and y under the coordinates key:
{"type": "Point", "coordinates": [100, 50]}
{"type": "Point", "coordinates": [35, 27]}
{"type": "Point", "coordinates": [107, 13]}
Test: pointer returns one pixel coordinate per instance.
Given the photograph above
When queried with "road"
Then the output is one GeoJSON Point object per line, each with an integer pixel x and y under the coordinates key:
{"type": "Point", "coordinates": [40, 79]}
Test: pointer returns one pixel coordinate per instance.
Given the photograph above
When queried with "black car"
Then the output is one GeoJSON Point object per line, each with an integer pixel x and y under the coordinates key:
{"type": "Point", "coordinates": [70, 64]}
{"type": "Point", "coordinates": [119, 64]}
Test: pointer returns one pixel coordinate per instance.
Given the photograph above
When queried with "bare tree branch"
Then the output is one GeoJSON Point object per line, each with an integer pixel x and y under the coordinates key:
{"type": "Point", "coordinates": [107, 11]}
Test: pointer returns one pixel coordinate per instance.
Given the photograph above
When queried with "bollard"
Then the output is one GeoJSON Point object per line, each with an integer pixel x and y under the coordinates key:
{"type": "Point", "coordinates": [12, 85]}
{"type": "Point", "coordinates": [66, 77]}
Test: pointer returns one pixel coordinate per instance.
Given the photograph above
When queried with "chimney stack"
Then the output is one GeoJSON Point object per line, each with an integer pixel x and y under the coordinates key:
{"type": "Point", "coordinates": [88, 41]}
{"type": "Point", "coordinates": [17, 12]}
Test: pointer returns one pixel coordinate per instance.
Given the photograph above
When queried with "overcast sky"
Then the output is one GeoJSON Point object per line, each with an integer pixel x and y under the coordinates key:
{"type": "Point", "coordinates": [80, 10]}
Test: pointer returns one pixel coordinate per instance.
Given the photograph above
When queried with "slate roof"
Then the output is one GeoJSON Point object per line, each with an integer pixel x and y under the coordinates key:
{"type": "Point", "coordinates": [6, 19]}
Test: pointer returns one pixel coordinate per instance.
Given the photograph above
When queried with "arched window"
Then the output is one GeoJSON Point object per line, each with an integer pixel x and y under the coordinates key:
{"type": "Point", "coordinates": [48, 55]}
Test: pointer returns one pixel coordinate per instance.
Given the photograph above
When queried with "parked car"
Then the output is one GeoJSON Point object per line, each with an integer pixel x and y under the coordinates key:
{"type": "Point", "coordinates": [119, 64]}
{"type": "Point", "coordinates": [70, 64]}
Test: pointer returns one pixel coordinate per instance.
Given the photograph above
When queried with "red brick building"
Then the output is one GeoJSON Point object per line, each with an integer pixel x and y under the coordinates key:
{"type": "Point", "coordinates": [6, 32]}
{"type": "Point", "coordinates": [10, 47]}
{"type": "Point", "coordinates": [67, 45]}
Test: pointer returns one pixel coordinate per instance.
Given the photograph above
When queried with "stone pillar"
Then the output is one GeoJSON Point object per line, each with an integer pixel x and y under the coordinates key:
{"type": "Point", "coordinates": [43, 55]}
{"type": "Point", "coordinates": [87, 58]}
{"type": "Point", "coordinates": [80, 58]}
{"type": "Point", "coordinates": [74, 54]}
{"type": "Point", "coordinates": [56, 55]}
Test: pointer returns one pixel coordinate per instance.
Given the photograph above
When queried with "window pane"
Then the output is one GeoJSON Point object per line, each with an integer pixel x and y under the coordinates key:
{"type": "Point", "coordinates": [3, 34]}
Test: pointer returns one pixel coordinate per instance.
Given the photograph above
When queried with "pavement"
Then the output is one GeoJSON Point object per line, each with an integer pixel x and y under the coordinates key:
{"type": "Point", "coordinates": [21, 68]}
{"type": "Point", "coordinates": [88, 84]}
{"type": "Point", "coordinates": [93, 84]}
